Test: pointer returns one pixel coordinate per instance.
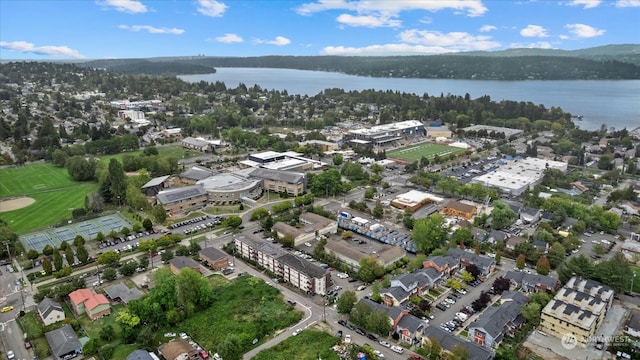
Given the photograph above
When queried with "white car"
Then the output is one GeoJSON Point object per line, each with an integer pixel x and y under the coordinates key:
{"type": "Point", "coordinates": [378, 354]}
{"type": "Point", "coordinates": [462, 291]}
{"type": "Point", "coordinates": [347, 339]}
{"type": "Point", "coordinates": [11, 355]}
{"type": "Point", "coordinates": [397, 349]}
{"type": "Point", "coordinates": [307, 244]}
{"type": "Point", "coordinates": [384, 343]}
{"type": "Point", "coordinates": [296, 332]}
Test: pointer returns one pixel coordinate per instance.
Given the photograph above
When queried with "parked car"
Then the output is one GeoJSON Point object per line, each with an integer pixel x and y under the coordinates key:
{"type": "Point", "coordinates": [397, 349]}
{"type": "Point", "coordinates": [361, 332]}
{"type": "Point", "coordinates": [372, 337]}
{"type": "Point", "coordinates": [384, 343]}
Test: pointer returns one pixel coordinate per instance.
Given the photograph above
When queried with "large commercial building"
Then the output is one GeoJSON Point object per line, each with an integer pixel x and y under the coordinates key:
{"type": "Point", "coordinates": [285, 161]}
{"type": "Point", "coordinates": [231, 188]}
{"type": "Point", "coordinates": [183, 199]}
{"type": "Point", "coordinates": [577, 310]}
{"type": "Point", "coordinates": [515, 175]}
{"type": "Point", "coordinates": [386, 134]}
{"type": "Point", "coordinates": [312, 225]}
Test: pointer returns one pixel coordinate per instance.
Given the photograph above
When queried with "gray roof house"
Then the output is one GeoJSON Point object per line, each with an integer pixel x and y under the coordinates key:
{"type": "Point", "coordinates": [408, 327]}
{"type": "Point", "coordinates": [530, 215]}
{"type": "Point", "coordinates": [497, 235]}
{"type": "Point", "coordinates": [485, 264]}
{"type": "Point", "coordinates": [532, 282]}
{"type": "Point", "coordinates": [405, 285]}
{"type": "Point", "coordinates": [140, 355]}
{"type": "Point", "coordinates": [448, 341]}
{"type": "Point", "coordinates": [120, 292]}
{"type": "Point", "coordinates": [497, 322]}
{"type": "Point", "coordinates": [155, 185]}
{"type": "Point", "coordinates": [196, 173]}
{"type": "Point", "coordinates": [63, 342]}
{"type": "Point", "coordinates": [50, 311]}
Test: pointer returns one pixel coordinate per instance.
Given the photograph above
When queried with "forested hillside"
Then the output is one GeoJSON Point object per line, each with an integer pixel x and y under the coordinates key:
{"type": "Point", "coordinates": [611, 62]}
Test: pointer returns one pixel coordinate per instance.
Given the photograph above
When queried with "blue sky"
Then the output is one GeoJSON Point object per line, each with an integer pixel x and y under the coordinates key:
{"type": "Point", "coordinates": [142, 28]}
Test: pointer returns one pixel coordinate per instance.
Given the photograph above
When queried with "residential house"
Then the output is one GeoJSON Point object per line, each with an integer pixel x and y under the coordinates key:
{"type": "Point", "coordinates": [178, 349]}
{"type": "Point", "coordinates": [513, 240]}
{"type": "Point", "coordinates": [632, 327]}
{"type": "Point", "coordinates": [449, 341]}
{"type": "Point", "coordinates": [408, 327]}
{"type": "Point", "coordinates": [121, 293]}
{"type": "Point", "coordinates": [64, 343]}
{"type": "Point", "coordinates": [404, 286]}
{"type": "Point", "coordinates": [485, 264]}
{"type": "Point", "coordinates": [457, 208]}
{"type": "Point", "coordinates": [532, 282]}
{"type": "Point", "coordinates": [215, 258]}
{"type": "Point", "coordinates": [497, 235]}
{"type": "Point", "coordinates": [568, 223]}
{"type": "Point", "coordinates": [578, 308]}
{"type": "Point", "coordinates": [183, 199]}
{"type": "Point", "coordinates": [530, 215]}
{"type": "Point", "coordinates": [180, 262]}
{"type": "Point", "coordinates": [445, 265]}
{"type": "Point", "coordinates": [542, 246]}
{"type": "Point", "coordinates": [547, 216]}
{"type": "Point", "coordinates": [478, 234]}
{"type": "Point", "coordinates": [50, 311]}
{"type": "Point", "coordinates": [86, 301]}
{"type": "Point", "coordinates": [142, 355]}
{"type": "Point", "coordinates": [496, 322]}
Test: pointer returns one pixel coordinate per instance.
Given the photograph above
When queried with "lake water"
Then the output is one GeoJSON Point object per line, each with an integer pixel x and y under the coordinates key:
{"type": "Point", "coordinates": [615, 103]}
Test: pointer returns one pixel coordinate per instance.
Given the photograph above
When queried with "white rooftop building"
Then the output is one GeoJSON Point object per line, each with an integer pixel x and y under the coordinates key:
{"type": "Point", "coordinates": [515, 176]}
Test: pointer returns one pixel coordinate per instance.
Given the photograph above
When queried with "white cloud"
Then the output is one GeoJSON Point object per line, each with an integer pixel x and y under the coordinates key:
{"type": "Point", "coordinates": [587, 4]}
{"type": "Point", "coordinates": [392, 9]}
{"type": "Point", "coordinates": [584, 31]}
{"type": "Point", "coordinates": [535, 45]}
{"type": "Point", "coordinates": [534, 31]}
{"type": "Point", "coordinates": [49, 50]}
{"type": "Point", "coordinates": [279, 41]}
{"type": "Point", "coordinates": [426, 20]}
{"type": "Point", "coordinates": [487, 28]}
{"type": "Point", "coordinates": [627, 3]}
{"type": "Point", "coordinates": [127, 6]}
{"type": "Point", "coordinates": [453, 41]}
{"type": "Point", "coordinates": [229, 38]}
{"type": "Point", "coordinates": [368, 21]}
{"type": "Point", "coordinates": [211, 8]}
{"type": "Point", "coordinates": [152, 29]}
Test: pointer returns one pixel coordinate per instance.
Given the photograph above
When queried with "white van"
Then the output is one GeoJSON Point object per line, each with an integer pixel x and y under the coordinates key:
{"type": "Point", "coordinates": [397, 349]}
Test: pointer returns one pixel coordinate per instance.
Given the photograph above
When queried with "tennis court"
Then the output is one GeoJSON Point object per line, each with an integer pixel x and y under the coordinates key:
{"type": "Point", "coordinates": [88, 229]}
{"type": "Point", "coordinates": [38, 241]}
{"type": "Point", "coordinates": [65, 234]}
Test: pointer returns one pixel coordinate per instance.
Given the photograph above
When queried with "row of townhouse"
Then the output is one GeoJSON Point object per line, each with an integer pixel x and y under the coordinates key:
{"type": "Point", "coordinates": [298, 272]}
{"type": "Point", "coordinates": [490, 328]}
{"type": "Point", "coordinates": [408, 327]}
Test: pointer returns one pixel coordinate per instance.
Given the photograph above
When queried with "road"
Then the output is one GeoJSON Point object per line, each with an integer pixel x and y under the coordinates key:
{"type": "Point", "coordinates": [11, 335]}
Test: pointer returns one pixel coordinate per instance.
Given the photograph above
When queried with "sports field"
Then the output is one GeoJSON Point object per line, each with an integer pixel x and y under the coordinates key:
{"type": "Point", "coordinates": [428, 150]}
{"type": "Point", "coordinates": [56, 194]}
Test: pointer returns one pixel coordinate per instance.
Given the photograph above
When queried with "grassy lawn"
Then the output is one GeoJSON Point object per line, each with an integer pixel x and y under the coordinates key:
{"type": "Point", "coordinates": [242, 310]}
{"type": "Point", "coordinates": [218, 210]}
{"type": "Point", "coordinates": [311, 344]}
{"type": "Point", "coordinates": [53, 189]}
{"type": "Point", "coordinates": [92, 328]}
{"type": "Point", "coordinates": [428, 150]}
{"type": "Point", "coordinates": [171, 150]}
{"type": "Point", "coordinates": [121, 351]}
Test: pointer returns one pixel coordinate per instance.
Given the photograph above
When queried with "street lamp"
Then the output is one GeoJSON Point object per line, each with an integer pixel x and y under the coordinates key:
{"type": "Point", "coordinates": [633, 278]}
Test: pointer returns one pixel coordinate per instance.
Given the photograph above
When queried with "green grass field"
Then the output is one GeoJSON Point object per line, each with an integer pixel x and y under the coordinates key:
{"type": "Point", "coordinates": [311, 344]}
{"type": "Point", "coordinates": [170, 150]}
{"type": "Point", "coordinates": [428, 150]}
{"type": "Point", "coordinates": [56, 194]}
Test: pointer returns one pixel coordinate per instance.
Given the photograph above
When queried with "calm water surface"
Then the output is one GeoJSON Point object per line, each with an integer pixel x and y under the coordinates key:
{"type": "Point", "coordinates": [614, 103]}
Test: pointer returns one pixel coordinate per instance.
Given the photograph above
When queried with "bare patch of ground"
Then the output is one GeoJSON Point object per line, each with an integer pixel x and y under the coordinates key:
{"type": "Point", "coordinates": [15, 204]}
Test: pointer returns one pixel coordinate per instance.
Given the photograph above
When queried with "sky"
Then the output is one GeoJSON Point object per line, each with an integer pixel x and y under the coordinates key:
{"type": "Point", "coordinates": [97, 29]}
